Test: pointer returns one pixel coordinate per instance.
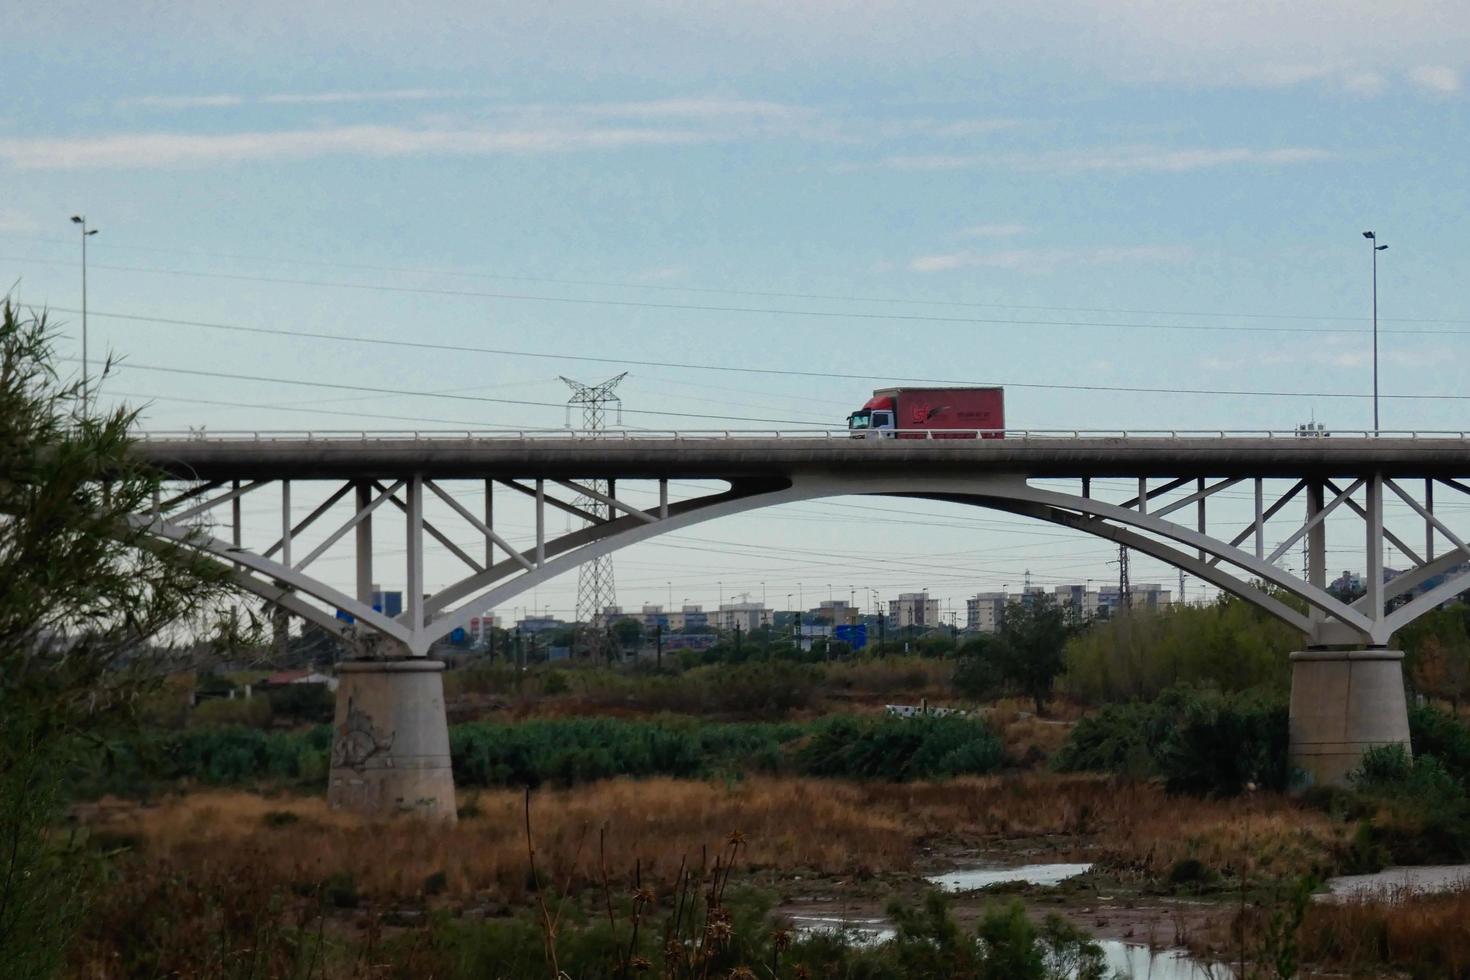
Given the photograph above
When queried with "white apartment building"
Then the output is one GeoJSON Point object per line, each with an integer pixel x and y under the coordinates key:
{"type": "Point", "coordinates": [747, 616]}
{"type": "Point", "coordinates": [913, 609]}
{"type": "Point", "coordinates": [983, 611]}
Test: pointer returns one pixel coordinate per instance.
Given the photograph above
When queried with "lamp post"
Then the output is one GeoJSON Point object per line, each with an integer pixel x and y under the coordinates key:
{"type": "Point", "coordinates": [1373, 241]}
{"type": "Point", "coordinates": [81, 222]}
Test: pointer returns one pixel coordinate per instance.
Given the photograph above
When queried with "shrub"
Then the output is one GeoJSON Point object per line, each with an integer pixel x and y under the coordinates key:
{"type": "Point", "coordinates": [1230, 645]}
{"type": "Point", "coordinates": [1199, 742]}
{"type": "Point", "coordinates": [925, 747]}
{"type": "Point", "coordinates": [222, 712]}
{"type": "Point", "coordinates": [1425, 811]}
{"type": "Point", "coordinates": [1442, 735]}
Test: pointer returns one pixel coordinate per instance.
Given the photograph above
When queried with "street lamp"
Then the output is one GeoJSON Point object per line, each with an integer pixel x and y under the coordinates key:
{"type": "Point", "coordinates": [81, 222]}
{"type": "Point", "coordinates": [1373, 239]}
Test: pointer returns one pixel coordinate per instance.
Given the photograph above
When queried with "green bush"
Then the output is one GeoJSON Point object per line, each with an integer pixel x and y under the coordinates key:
{"type": "Point", "coordinates": [1199, 742]}
{"type": "Point", "coordinates": [1425, 810]}
{"type": "Point", "coordinates": [1442, 735]}
{"type": "Point", "coordinates": [1230, 645]}
{"type": "Point", "coordinates": [887, 747]}
{"type": "Point", "coordinates": [225, 712]}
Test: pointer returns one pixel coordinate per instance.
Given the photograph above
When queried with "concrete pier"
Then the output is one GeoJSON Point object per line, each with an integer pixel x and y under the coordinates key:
{"type": "Point", "coordinates": [1344, 702]}
{"type": "Point", "coordinates": [390, 740]}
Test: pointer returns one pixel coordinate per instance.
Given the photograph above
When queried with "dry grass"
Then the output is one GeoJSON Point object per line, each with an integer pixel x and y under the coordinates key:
{"type": "Point", "coordinates": [791, 825]}
{"type": "Point", "coordinates": [1427, 934]}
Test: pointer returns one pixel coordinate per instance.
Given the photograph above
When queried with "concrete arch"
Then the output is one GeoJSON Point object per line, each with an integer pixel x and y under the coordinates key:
{"type": "Point", "coordinates": [498, 585]}
{"type": "Point", "coordinates": [1332, 620]}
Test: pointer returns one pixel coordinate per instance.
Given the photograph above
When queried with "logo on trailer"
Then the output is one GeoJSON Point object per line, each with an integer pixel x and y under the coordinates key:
{"type": "Point", "coordinates": [920, 414]}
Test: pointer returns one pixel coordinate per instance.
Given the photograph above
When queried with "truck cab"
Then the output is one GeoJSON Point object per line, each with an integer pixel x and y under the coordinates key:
{"type": "Point", "coordinates": [875, 420]}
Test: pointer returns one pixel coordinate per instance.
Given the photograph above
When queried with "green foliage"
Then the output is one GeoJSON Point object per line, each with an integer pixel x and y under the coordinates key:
{"type": "Point", "coordinates": [1437, 652]}
{"type": "Point", "coordinates": [83, 595]}
{"type": "Point", "coordinates": [1200, 741]}
{"type": "Point", "coordinates": [979, 672]}
{"type": "Point", "coordinates": [928, 944]}
{"type": "Point", "coordinates": [555, 682]}
{"type": "Point", "coordinates": [628, 633]}
{"type": "Point", "coordinates": [1220, 745]}
{"type": "Point", "coordinates": [886, 747]}
{"type": "Point", "coordinates": [1442, 735]}
{"type": "Point", "coordinates": [1425, 811]}
{"type": "Point", "coordinates": [566, 751]}
{"type": "Point", "coordinates": [1279, 945]}
{"type": "Point", "coordinates": [1230, 644]}
{"type": "Point", "coordinates": [1028, 651]}
{"type": "Point", "coordinates": [767, 689]}
{"type": "Point", "coordinates": [575, 750]}
{"type": "Point", "coordinates": [301, 704]}
{"type": "Point", "coordinates": [225, 712]}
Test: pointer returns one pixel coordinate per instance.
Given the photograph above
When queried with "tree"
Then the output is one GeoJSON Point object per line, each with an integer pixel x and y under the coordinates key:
{"type": "Point", "coordinates": [87, 595]}
{"type": "Point", "coordinates": [1031, 647]}
{"type": "Point", "coordinates": [628, 633]}
{"type": "Point", "coordinates": [1437, 647]}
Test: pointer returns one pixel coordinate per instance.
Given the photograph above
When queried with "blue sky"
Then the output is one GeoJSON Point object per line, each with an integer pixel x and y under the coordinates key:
{"type": "Point", "coordinates": [1144, 196]}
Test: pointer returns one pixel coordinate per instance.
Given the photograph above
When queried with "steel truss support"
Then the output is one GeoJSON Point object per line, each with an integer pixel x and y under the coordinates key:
{"type": "Point", "coordinates": [1142, 522]}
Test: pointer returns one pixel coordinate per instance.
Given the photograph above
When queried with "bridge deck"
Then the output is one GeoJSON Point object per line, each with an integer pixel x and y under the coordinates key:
{"type": "Point", "coordinates": [739, 456]}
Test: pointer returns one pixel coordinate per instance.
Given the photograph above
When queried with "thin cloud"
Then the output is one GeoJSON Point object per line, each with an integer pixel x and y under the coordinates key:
{"type": "Point", "coordinates": [1133, 159]}
{"type": "Point", "coordinates": [15, 221]}
{"type": "Point", "coordinates": [695, 108]}
{"type": "Point", "coordinates": [994, 231]}
{"type": "Point", "coordinates": [1436, 78]}
{"type": "Point", "coordinates": [224, 100]}
{"type": "Point", "coordinates": [152, 150]}
{"type": "Point", "coordinates": [1049, 259]}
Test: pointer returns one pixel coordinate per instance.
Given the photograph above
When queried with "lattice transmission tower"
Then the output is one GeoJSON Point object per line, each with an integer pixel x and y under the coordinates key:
{"type": "Point", "coordinates": [1125, 588]}
{"type": "Point", "coordinates": [595, 588]}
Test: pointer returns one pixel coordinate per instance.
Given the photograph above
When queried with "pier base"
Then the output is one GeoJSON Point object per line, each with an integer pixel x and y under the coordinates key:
{"type": "Point", "coordinates": [1344, 702]}
{"type": "Point", "coordinates": [390, 740]}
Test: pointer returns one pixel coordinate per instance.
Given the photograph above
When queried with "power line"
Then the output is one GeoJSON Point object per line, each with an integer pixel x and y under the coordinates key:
{"type": "Point", "coordinates": [479, 399]}
{"type": "Point", "coordinates": [735, 291]}
{"type": "Point", "coordinates": [779, 372]}
{"type": "Point", "coordinates": [705, 308]}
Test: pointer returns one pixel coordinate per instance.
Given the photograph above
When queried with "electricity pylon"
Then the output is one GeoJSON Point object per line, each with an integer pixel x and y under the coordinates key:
{"type": "Point", "coordinates": [595, 588]}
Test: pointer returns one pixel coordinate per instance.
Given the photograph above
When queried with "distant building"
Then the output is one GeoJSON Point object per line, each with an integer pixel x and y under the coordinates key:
{"type": "Point", "coordinates": [836, 612]}
{"type": "Point", "coordinates": [532, 625]}
{"type": "Point", "coordinates": [480, 629]}
{"type": "Point", "coordinates": [654, 617]}
{"type": "Point", "coordinates": [746, 616]}
{"type": "Point", "coordinates": [1145, 595]}
{"type": "Point", "coordinates": [689, 618]}
{"type": "Point", "coordinates": [610, 615]}
{"type": "Point", "coordinates": [390, 604]}
{"type": "Point", "coordinates": [984, 611]}
{"type": "Point", "coordinates": [913, 609]}
{"type": "Point", "coordinates": [1078, 600]}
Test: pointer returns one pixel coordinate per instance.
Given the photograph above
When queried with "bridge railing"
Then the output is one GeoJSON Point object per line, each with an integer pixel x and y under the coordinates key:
{"type": "Point", "coordinates": [574, 435]}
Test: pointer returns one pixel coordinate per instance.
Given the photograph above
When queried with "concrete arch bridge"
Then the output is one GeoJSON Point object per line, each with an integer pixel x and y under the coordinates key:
{"type": "Point", "coordinates": [1233, 509]}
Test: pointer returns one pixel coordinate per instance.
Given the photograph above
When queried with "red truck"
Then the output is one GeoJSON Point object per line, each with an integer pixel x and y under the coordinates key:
{"type": "Point", "coordinates": [905, 413]}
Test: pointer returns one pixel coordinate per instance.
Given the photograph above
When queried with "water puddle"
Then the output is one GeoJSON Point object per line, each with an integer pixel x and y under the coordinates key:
{"type": "Point", "coordinates": [1396, 883]}
{"type": "Point", "coordinates": [1141, 963]}
{"type": "Point", "coordinates": [969, 879]}
{"type": "Point", "coordinates": [860, 932]}
{"type": "Point", "coordinates": [1126, 960]}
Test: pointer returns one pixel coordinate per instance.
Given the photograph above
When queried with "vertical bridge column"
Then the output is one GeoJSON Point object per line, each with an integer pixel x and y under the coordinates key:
{"type": "Point", "coordinates": [1344, 702]}
{"type": "Point", "coordinates": [390, 745]}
